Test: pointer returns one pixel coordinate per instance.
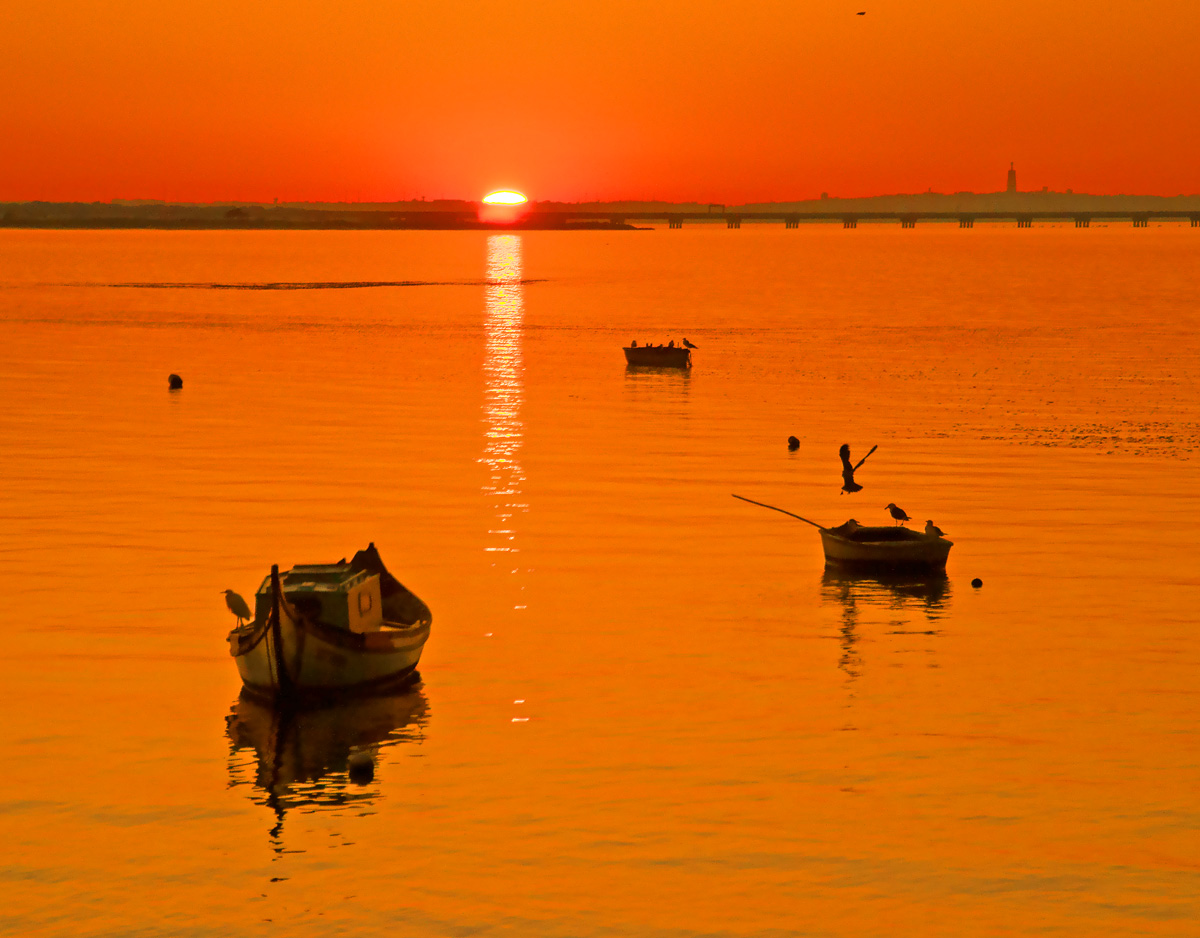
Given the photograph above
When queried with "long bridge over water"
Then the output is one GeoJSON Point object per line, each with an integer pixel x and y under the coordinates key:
{"type": "Point", "coordinates": [850, 219]}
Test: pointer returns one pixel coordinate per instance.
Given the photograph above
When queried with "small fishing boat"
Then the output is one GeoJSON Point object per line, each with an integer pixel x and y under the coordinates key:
{"type": "Point", "coordinates": [659, 356]}
{"type": "Point", "coordinates": [324, 630]}
{"type": "Point", "coordinates": [855, 546]}
{"type": "Point", "coordinates": [895, 548]}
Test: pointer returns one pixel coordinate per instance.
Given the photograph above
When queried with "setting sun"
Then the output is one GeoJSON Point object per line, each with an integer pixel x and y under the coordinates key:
{"type": "Point", "coordinates": [504, 197]}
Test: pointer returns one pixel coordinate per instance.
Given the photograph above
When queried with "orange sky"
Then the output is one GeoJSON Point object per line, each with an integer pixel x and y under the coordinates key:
{"type": "Point", "coordinates": [675, 99]}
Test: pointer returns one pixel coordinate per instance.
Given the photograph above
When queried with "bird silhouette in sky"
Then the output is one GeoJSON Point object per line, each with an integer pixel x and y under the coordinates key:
{"type": "Point", "coordinates": [861, 13]}
{"type": "Point", "coordinates": [687, 344]}
{"type": "Point", "coordinates": [898, 513]}
{"type": "Point", "coordinates": [848, 470]}
{"type": "Point", "coordinates": [793, 443]}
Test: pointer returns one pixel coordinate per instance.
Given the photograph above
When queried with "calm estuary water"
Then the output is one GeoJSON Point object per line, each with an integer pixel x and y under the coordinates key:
{"type": "Point", "coordinates": [644, 710]}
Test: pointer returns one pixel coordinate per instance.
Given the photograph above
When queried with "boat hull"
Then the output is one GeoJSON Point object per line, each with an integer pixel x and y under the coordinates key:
{"type": "Point", "coordinates": [913, 552]}
{"type": "Point", "coordinates": [287, 655]}
{"type": "Point", "coordinates": [659, 356]}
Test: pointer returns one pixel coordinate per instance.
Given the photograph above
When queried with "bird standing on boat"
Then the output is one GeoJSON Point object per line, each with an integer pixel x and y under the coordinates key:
{"type": "Point", "coordinates": [237, 606]}
{"type": "Point", "coordinates": [899, 514]}
{"type": "Point", "coordinates": [671, 344]}
{"type": "Point", "coordinates": [933, 530]}
{"type": "Point", "coordinates": [687, 344]}
{"type": "Point", "coordinates": [633, 344]}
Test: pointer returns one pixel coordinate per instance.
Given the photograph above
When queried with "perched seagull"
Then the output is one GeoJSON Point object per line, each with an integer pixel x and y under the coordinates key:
{"type": "Point", "coordinates": [687, 344]}
{"type": "Point", "coordinates": [898, 513]}
{"type": "Point", "coordinates": [633, 344]}
{"type": "Point", "coordinates": [933, 530]}
{"type": "Point", "coordinates": [237, 606]}
{"type": "Point", "coordinates": [671, 344]}
{"type": "Point", "coordinates": [793, 443]}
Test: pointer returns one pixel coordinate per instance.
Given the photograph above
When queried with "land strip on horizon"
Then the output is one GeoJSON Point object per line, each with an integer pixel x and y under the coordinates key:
{"type": "Point", "coordinates": [464, 214]}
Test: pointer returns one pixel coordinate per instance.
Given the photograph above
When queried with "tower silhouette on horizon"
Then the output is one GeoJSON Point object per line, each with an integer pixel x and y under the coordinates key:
{"type": "Point", "coordinates": [1012, 178]}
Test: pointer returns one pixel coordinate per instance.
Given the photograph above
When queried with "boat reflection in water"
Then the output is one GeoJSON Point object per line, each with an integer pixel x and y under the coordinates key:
{"type": "Point", "coordinates": [928, 592]}
{"type": "Point", "coordinates": [907, 603]}
{"type": "Point", "coordinates": [657, 386]}
{"type": "Point", "coordinates": [318, 757]}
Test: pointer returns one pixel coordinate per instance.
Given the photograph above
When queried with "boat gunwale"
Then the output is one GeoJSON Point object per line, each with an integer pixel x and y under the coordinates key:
{"type": "Point", "coordinates": [398, 635]}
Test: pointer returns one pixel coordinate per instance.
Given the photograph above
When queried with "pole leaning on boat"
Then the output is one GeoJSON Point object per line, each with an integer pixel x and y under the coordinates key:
{"type": "Point", "coordinates": [283, 680]}
{"type": "Point", "coordinates": [781, 510]}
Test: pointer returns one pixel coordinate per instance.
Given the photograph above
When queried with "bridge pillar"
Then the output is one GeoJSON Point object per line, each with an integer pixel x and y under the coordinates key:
{"type": "Point", "coordinates": [849, 222]}
{"type": "Point", "coordinates": [1082, 222]}
{"type": "Point", "coordinates": [674, 221]}
{"type": "Point", "coordinates": [791, 221]}
{"type": "Point", "coordinates": [908, 221]}
{"type": "Point", "coordinates": [1024, 221]}
{"type": "Point", "coordinates": [733, 221]}
{"type": "Point", "coordinates": [966, 222]}
{"type": "Point", "coordinates": [1141, 221]}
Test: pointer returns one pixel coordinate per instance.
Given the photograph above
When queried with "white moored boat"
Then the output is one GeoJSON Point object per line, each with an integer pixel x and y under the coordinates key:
{"type": "Point", "coordinates": [855, 545]}
{"type": "Point", "coordinates": [324, 630]}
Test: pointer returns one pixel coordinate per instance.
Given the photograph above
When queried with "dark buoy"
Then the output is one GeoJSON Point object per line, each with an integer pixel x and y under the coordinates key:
{"type": "Point", "coordinates": [977, 582]}
{"type": "Point", "coordinates": [174, 382]}
{"type": "Point", "coordinates": [793, 444]}
{"type": "Point", "coordinates": [362, 768]}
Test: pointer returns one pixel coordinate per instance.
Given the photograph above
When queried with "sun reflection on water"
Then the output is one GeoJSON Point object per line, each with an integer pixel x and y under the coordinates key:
{"type": "Point", "coordinates": [504, 371]}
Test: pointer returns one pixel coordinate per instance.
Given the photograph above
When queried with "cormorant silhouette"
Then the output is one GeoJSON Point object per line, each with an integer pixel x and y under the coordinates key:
{"type": "Point", "coordinates": [848, 470]}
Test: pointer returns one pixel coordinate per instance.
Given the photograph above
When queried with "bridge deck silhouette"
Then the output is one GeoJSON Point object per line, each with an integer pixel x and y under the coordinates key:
{"type": "Point", "coordinates": [850, 218]}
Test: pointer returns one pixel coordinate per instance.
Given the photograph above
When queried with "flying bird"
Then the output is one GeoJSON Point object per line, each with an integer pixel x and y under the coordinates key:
{"type": "Point", "coordinates": [848, 470]}
{"type": "Point", "coordinates": [793, 443]}
{"type": "Point", "coordinates": [933, 530]}
{"type": "Point", "coordinates": [237, 606]}
{"type": "Point", "coordinates": [687, 344]}
{"type": "Point", "coordinates": [899, 514]}
{"type": "Point", "coordinates": [861, 13]}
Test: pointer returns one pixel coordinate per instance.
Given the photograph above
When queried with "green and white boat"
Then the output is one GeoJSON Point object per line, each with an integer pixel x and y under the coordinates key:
{"type": "Point", "coordinates": [326, 630]}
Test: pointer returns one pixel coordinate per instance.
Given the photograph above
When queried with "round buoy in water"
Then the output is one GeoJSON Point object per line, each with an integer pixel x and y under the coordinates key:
{"type": "Point", "coordinates": [362, 767]}
{"type": "Point", "coordinates": [793, 443]}
{"type": "Point", "coordinates": [977, 582]}
{"type": "Point", "coordinates": [174, 382]}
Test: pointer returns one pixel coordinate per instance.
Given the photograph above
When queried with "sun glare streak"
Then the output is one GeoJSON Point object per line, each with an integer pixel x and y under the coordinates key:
{"type": "Point", "coordinates": [503, 372]}
{"type": "Point", "coordinates": [504, 197]}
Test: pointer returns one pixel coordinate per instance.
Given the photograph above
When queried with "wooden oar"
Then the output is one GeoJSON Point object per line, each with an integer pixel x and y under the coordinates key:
{"type": "Point", "coordinates": [782, 510]}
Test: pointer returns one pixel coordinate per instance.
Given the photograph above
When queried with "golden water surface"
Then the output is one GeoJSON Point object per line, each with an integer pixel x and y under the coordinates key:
{"type": "Point", "coordinates": [644, 709]}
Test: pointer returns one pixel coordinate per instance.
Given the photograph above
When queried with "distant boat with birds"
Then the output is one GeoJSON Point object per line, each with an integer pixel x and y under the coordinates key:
{"type": "Point", "coordinates": [321, 631]}
{"type": "Point", "coordinates": [856, 546]}
{"type": "Point", "coordinates": [660, 356]}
